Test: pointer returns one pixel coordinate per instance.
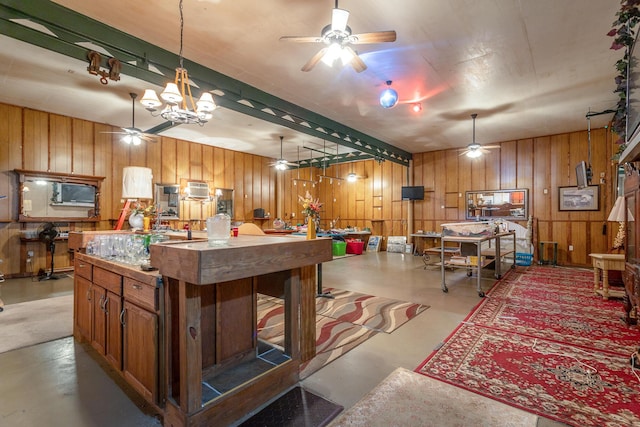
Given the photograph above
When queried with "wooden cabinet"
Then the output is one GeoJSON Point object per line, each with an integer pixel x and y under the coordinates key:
{"type": "Point", "coordinates": [140, 367]}
{"type": "Point", "coordinates": [83, 309]}
{"type": "Point", "coordinates": [118, 315]}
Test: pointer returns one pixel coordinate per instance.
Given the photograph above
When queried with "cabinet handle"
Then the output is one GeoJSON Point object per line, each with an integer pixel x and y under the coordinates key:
{"type": "Point", "coordinates": [106, 301]}
{"type": "Point", "coordinates": [137, 287]}
{"type": "Point", "coordinates": [89, 292]}
{"type": "Point", "coordinates": [101, 302]}
{"type": "Point", "coordinates": [122, 321]}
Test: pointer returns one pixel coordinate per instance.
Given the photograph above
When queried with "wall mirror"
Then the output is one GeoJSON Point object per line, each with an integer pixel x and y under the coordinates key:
{"type": "Point", "coordinates": [167, 201]}
{"type": "Point", "coordinates": [51, 196]}
{"type": "Point", "coordinates": [505, 204]}
{"type": "Point", "coordinates": [224, 201]}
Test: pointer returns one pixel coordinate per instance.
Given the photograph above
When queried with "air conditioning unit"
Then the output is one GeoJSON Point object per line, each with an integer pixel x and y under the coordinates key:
{"type": "Point", "coordinates": [197, 190]}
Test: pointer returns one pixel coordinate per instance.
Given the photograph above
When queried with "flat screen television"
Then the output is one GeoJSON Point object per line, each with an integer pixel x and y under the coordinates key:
{"type": "Point", "coordinates": [413, 193]}
{"type": "Point", "coordinates": [583, 174]}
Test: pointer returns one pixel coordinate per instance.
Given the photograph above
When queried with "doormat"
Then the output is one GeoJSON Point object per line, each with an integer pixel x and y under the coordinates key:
{"type": "Point", "coordinates": [296, 408]}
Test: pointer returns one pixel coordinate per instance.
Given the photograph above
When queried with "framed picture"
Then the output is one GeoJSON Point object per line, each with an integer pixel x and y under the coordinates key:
{"type": "Point", "coordinates": [579, 199]}
{"type": "Point", "coordinates": [374, 244]}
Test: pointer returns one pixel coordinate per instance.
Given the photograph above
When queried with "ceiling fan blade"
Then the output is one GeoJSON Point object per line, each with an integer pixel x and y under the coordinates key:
{"type": "Point", "coordinates": [339, 18]}
{"type": "Point", "coordinates": [375, 37]}
{"type": "Point", "coordinates": [301, 39]}
{"type": "Point", "coordinates": [314, 60]}
{"type": "Point", "coordinates": [356, 62]}
{"type": "Point", "coordinates": [490, 146]}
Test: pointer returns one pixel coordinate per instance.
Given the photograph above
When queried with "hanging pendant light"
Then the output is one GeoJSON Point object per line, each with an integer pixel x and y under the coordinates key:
{"type": "Point", "coordinates": [180, 107]}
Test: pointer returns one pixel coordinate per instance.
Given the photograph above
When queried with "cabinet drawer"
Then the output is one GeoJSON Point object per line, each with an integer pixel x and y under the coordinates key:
{"type": "Point", "coordinates": [108, 280]}
{"type": "Point", "coordinates": [83, 269]}
{"type": "Point", "coordinates": [145, 296]}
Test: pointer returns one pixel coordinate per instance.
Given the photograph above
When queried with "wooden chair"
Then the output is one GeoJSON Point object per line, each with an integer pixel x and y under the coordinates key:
{"type": "Point", "coordinates": [249, 228]}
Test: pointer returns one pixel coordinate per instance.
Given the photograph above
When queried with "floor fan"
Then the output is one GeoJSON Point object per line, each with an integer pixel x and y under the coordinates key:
{"type": "Point", "coordinates": [47, 234]}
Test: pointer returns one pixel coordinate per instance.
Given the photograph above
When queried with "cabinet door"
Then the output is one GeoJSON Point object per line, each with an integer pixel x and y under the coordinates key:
{"type": "Point", "coordinates": [113, 343]}
{"type": "Point", "coordinates": [140, 363]}
{"type": "Point", "coordinates": [83, 309]}
{"type": "Point", "coordinates": [99, 331]}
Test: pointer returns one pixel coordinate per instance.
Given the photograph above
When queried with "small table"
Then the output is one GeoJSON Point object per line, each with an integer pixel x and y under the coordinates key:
{"type": "Point", "coordinates": [606, 262]}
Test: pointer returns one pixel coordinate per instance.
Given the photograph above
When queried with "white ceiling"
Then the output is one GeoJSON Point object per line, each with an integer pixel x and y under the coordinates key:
{"type": "Point", "coordinates": [528, 68]}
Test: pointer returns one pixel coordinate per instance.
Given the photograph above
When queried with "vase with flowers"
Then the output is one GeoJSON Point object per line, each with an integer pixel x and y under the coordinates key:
{"type": "Point", "coordinates": [311, 210]}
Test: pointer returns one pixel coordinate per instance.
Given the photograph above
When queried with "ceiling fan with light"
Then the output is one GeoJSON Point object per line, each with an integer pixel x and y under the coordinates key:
{"type": "Point", "coordinates": [281, 164]}
{"type": "Point", "coordinates": [133, 135]}
{"type": "Point", "coordinates": [474, 149]}
{"type": "Point", "coordinates": [337, 37]}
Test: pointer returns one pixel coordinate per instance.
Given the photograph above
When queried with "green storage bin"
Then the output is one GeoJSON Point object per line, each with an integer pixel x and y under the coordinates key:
{"type": "Point", "coordinates": [339, 248]}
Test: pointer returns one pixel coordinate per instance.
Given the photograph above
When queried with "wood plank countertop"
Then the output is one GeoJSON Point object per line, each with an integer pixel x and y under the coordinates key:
{"type": "Point", "coordinates": [244, 256]}
{"type": "Point", "coordinates": [131, 271]}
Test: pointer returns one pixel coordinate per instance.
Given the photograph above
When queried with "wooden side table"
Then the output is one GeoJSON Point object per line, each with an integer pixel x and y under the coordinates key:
{"type": "Point", "coordinates": [604, 263]}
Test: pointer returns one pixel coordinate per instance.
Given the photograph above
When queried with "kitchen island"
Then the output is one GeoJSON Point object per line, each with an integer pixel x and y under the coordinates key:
{"type": "Point", "coordinates": [209, 368]}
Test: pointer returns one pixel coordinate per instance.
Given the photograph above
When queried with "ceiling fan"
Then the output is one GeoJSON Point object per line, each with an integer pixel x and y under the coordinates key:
{"type": "Point", "coordinates": [474, 149]}
{"type": "Point", "coordinates": [133, 135]}
{"type": "Point", "coordinates": [337, 37]}
{"type": "Point", "coordinates": [281, 164]}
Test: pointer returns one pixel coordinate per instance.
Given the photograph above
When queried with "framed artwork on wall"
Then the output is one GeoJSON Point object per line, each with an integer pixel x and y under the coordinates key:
{"type": "Point", "coordinates": [374, 244]}
{"type": "Point", "coordinates": [579, 199]}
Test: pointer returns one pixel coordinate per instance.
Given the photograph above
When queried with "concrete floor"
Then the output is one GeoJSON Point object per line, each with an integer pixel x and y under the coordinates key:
{"type": "Point", "coordinates": [62, 383]}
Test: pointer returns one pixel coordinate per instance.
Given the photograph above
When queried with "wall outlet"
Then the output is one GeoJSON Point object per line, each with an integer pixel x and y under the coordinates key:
{"type": "Point", "coordinates": [570, 247]}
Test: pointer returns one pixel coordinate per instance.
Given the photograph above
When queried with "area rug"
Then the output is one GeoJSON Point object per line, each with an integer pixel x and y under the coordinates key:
{"type": "Point", "coordinates": [34, 322]}
{"type": "Point", "coordinates": [546, 345]}
{"type": "Point", "coordinates": [378, 313]}
{"type": "Point", "coordinates": [342, 323]}
{"type": "Point", "coordinates": [296, 408]}
{"type": "Point", "coordinates": [406, 398]}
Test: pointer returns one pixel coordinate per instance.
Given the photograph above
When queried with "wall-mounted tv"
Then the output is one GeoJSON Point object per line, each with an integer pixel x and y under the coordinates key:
{"type": "Point", "coordinates": [583, 174]}
{"type": "Point", "coordinates": [413, 193]}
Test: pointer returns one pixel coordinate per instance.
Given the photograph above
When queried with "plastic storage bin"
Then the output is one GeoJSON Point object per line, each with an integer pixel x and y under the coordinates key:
{"type": "Point", "coordinates": [523, 258]}
{"type": "Point", "coordinates": [339, 248]}
{"type": "Point", "coordinates": [355, 246]}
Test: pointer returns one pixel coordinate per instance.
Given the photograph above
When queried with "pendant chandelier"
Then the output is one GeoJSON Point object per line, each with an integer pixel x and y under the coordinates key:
{"type": "Point", "coordinates": [180, 107]}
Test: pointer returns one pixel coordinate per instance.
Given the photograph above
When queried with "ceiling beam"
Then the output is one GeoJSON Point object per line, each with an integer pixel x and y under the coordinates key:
{"type": "Point", "coordinates": [136, 56]}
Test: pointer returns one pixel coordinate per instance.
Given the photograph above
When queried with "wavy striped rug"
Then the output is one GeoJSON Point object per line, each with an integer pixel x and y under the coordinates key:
{"type": "Point", "coordinates": [342, 323]}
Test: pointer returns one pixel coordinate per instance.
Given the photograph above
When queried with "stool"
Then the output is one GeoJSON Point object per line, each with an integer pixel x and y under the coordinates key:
{"type": "Point", "coordinates": [542, 253]}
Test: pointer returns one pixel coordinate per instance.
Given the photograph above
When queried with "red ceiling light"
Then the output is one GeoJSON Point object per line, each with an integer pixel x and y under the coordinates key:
{"type": "Point", "coordinates": [417, 107]}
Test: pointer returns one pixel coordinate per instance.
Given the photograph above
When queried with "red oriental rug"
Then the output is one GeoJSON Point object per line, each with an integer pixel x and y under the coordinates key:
{"type": "Point", "coordinates": [342, 323]}
{"type": "Point", "coordinates": [541, 341]}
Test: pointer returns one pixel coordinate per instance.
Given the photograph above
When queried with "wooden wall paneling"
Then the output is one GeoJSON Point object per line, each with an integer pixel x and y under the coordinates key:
{"type": "Point", "coordinates": [169, 168]}
{"type": "Point", "coordinates": [218, 167]}
{"type": "Point", "coordinates": [579, 238]}
{"type": "Point", "coordinates": [524, 166]}
{"type": "Point", "coordinates": [478, 172]}
{"type": "Point", "coordinates": [508, 165]}
{"type": "Point", "coordinates": [268, 189]}
{"type": "Point", "coordinates": [102, 166]}
{"type": "Point", "coordinates": [238, 187]}
{"type": "Point", "coordinates": [387, 193]}
{"type": "Point", "coordinates": [82, 147]}
{"type": "Point", "coordinates": [439, 188]}
{"type": "Point", "coordinates": [541, 203]}
{"type": "Point", "coordinates": [492, 165]}
{"type": "Point", "coordinates": [121, 158]}
{"type": "Point", "coordinates": [561, 232]}
{"type": "Point", "coordinates": [229, 169]}
{"type": "Point", "coordinates": [183, 171]}
{"type": "Point", "coordinates": [247, 197]}
{"type": "Point", "coordinates": [257, 182]}
{"type": "Point", "coordinates": [601, 238]}
{"type": "Point", "coordinates": [60, 143]}
{"type": "Point", "coordinates": [208, 153]}
{"type": "Point", "coordinates": [199, 211]}
{"type": "Point", "coordinates": [35, 146]}
{"type": "Point", "coordinates": [10, 159]}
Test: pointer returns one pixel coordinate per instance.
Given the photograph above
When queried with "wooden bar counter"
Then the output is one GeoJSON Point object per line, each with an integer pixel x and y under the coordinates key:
{"type": "Point", "coordinates": [216, 369]}
{"type": "Point", "coordinates": [185, 336]}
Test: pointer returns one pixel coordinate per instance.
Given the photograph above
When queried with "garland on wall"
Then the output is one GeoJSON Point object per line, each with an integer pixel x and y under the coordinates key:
{"type": "Point", "coordinates": [623, 32]}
